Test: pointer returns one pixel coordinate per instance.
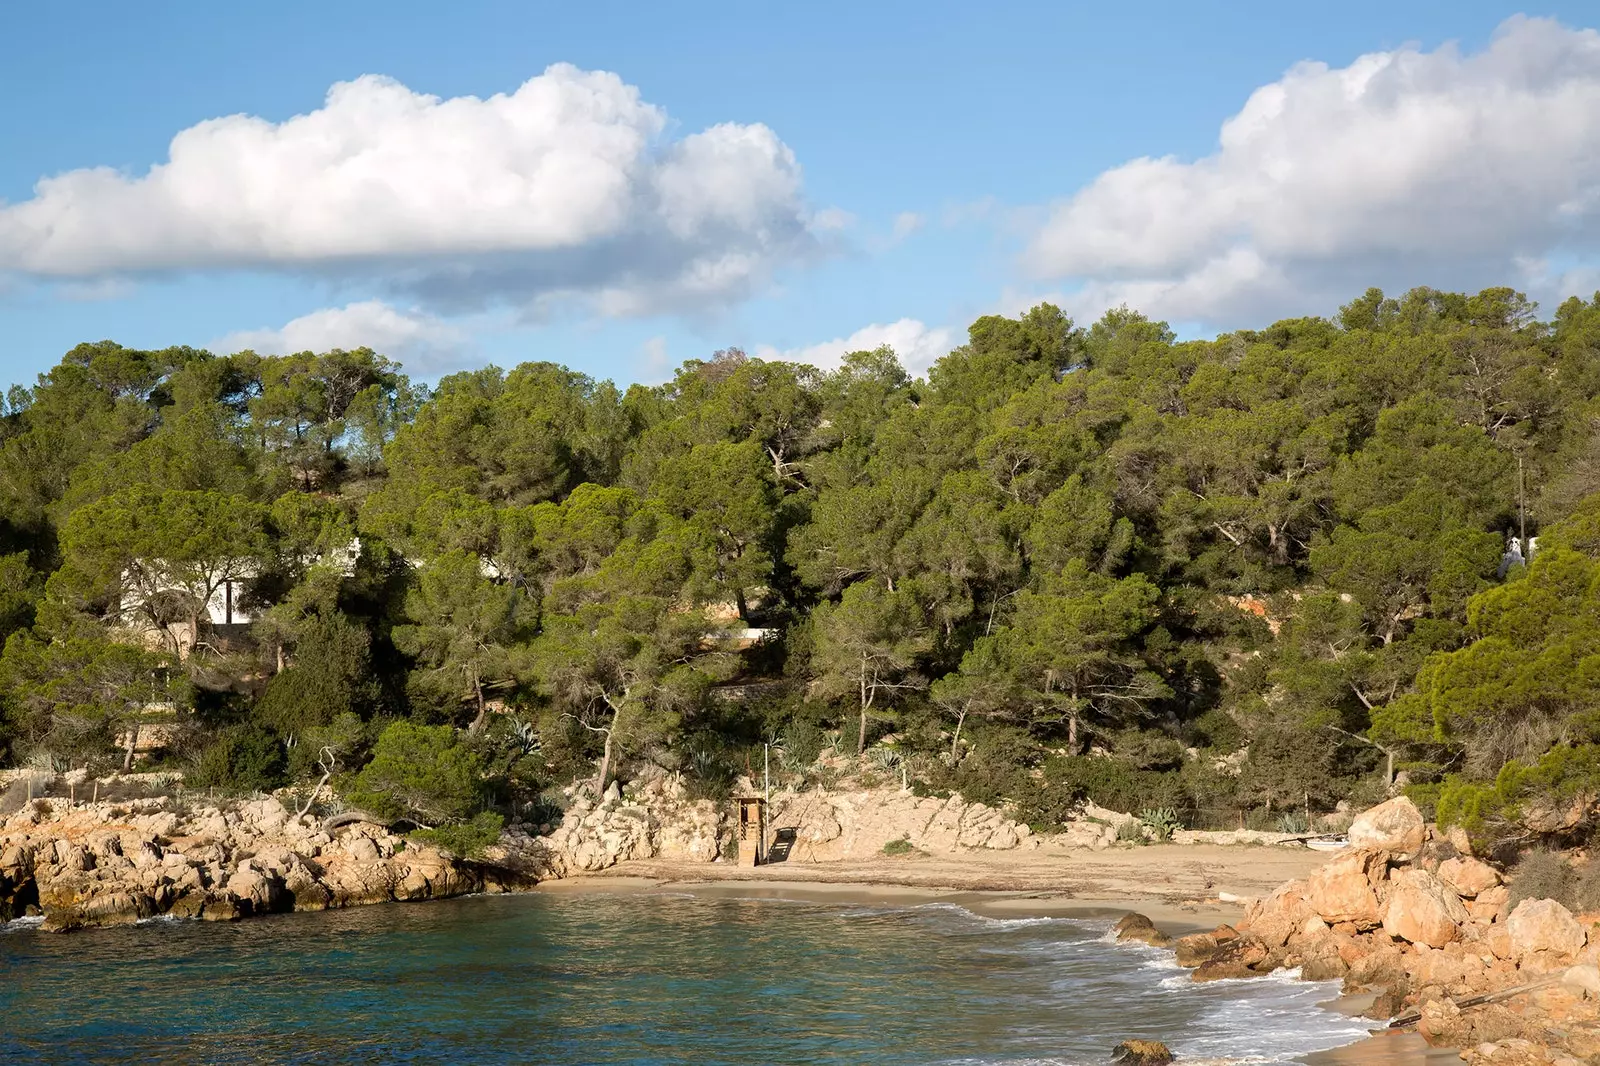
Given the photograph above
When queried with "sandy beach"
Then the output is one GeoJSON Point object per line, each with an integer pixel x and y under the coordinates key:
{"type": "Point", "coordinates": [1182, 888]}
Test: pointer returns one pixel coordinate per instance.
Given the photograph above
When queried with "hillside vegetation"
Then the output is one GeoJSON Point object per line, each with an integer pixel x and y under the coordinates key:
{"type": "Point", "coordinates": [1238, 578]}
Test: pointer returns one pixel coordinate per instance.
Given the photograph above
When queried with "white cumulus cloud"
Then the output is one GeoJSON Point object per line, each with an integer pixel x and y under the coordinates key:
{"type": "Point", "coordinates": [425, 344]}
{"type": "Point", "coordinates": [568, 186]}
{"type": "Point", "coordinates": [917, 346]}
{"type": "Point", "coordinates": [1406, 167]}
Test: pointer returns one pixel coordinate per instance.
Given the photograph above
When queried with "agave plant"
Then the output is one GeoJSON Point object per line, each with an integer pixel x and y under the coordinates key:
{"type": "Point", "coordinates": [1294, 822]}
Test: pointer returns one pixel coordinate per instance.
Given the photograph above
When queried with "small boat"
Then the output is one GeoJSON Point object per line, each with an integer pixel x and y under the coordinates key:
{"type": "Point", "coordinates": [1326, 843]}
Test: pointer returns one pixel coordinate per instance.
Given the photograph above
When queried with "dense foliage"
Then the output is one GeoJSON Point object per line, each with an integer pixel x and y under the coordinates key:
{"type": "Point", "coordinates": [1261, 573]}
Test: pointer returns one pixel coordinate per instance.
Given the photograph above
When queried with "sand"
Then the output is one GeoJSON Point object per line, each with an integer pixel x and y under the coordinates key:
{"type": "Point", "coordinates": [1182, 888]}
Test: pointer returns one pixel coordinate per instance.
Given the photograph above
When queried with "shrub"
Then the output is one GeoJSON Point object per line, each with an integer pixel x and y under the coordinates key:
{"type": "Point", "coordinates": [1116, 783]}
{"type": "Point", "coordinates": [424, 773]}
{"type": "Point", "coordinates": [1490, 811]}
{"type": "Point", "coordinates": [899, 847]}
{"type": "Point", "coordinates": [1217, 729]}
{"type": "Point", "coordinates": [245, 758]}
{"type": "Point", "coordinates": [331, 676]}
{"type": "Point", "coordinates": [346, 735]}
{"type": "Point", "coordinates": [1542, 875]}
{"type": "Point", "coordinates": [464, 839]}
{"type": "Point", "coordinates": [1148, 750]}
{"type": "Point", "coordinates": [1131, 831]}
{"type": "Point", "coordinates": [1294, 822]}
{"type": "Point", "coordinates": [801, 743]}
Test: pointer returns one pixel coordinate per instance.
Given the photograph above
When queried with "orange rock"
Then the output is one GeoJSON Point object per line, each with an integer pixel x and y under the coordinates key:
{"type": "Point", "coordinates": [1342, 889]}
{"type": "Point", "coordinates": [1395, 826]}
{"type": "Point", "coordinates": [1544, 925]}
{"type": "Point", "coordinates": [1422, 910]}
{"type": "Point", "coordinates": [1468, 877]}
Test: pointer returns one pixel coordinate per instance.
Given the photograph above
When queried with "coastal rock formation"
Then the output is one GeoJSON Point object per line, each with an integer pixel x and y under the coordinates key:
{"type": "Point", "coordinates": [1426, 930]}
{"type": "Point", "coordinates": [112, 864]}
{"type": "Point", "coordinates": [656, 820]}
{"type": "Point", "coordinates": [1423, 909]}
{"type": "Point", "coordinates": [1395, 826]}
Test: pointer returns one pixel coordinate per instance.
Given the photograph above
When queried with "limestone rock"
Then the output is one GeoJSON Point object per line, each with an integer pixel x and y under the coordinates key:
{"type": "Point", "coordinates": [1543, 925]}
{"type": "Point", "coordinates": [1343, 889]}
{"type": "Point", "coordinates": [1468, 877]}
{"type": "Point", "coordinates": [1423, 910]}
{"type": "Point", "coordinates": [1395, 825]}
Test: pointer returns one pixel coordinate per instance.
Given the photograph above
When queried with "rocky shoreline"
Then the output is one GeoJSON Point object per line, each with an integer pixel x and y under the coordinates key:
{"type": "Point", "coordinates": [98, 864]}
{"type": "Point", "coordinates": [1408, 917]}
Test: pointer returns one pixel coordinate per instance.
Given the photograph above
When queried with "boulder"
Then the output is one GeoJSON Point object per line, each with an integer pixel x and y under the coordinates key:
{"type": "Point", "coordinates": [1343, 889]}
{"type": "Point", "coordinates": [1244, 956]}
{"type": "Point", "coordinates": [1194, 950]}
{"type": "Point", "coordinates": [1138, 927]}
{"type": "Point", "coordinates": [1543, 925]}
{"type": "Point", "coordinates": [1395, 826]}
{"type": "Point", "coordinates": [1584, 980]}
{"type": "Point", "coordinates": [1277, 918]}
{"type": "Point", "coordinates": [1468, 877]}
{"type": "Point", "coordinates": [1141, 1053]}
{"type": "Point", "coordinates": [1423, 910]}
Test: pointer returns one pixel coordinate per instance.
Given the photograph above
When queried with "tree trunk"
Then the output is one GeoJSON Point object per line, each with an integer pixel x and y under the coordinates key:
{"type": "Point", "coordinates": [861, 734]}
{"type": "Point", "coordinates": [133, 746]}
{"type": "Point", "coordinates": [483, 708]}
{"type": "Point", "coordinates": [955, 741]}
{"type": "Point", "coordinates": [605, 767]}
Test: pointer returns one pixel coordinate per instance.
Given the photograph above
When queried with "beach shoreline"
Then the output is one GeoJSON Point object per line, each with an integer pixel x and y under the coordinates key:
{"type": "Point", "coordinates": [832, 884]}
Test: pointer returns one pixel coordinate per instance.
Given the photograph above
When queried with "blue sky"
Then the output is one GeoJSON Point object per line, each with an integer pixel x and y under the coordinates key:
{"type": "Point", "coordinates": [874, 172]}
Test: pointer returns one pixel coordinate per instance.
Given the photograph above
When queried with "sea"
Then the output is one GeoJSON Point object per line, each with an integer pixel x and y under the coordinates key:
{"type": "Point", "coordinates": [602, 978]}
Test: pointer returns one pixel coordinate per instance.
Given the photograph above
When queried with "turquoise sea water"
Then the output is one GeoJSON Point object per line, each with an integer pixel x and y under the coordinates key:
{"type": "Point", "coordinates": [632, 979]}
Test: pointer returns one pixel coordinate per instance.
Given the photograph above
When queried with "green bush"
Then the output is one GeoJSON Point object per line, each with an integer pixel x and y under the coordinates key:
{"type": "Point", "coordinates": [245, 758]}
{"type": "Point", "coordinates": [428, 774]}
{"type": "Point", "coordinates": [346, 736]}
{"type": "Point", "coordinates": [1217, 729]}
{"type": "Point", "coordinates": [1492, 811]}
{"type": "Point", "coordinates": [900, 847]}
{"type": "Point", "coordinates": [464, 839]}
{"type": "Point", "coordinates": [1116, 783]}
{"type": "Point", "coordinates": [1294, 822]}
{"type": "Point", "coordinates": [1131, 832]}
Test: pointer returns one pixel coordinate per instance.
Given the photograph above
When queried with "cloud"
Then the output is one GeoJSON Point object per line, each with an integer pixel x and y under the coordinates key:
{"type": "Point", "coordinates": [916, 345]}
{"type": "Point", "coordinates": [567, 187]}
{"type": "Point", "coordinates": [1404, 168]}
{"type": "Point", "coordinates": [425, 344]}
{"type": "Point", "coordinates": [654, 365]}
{"type": "Point", "coordinates": [905, 224]}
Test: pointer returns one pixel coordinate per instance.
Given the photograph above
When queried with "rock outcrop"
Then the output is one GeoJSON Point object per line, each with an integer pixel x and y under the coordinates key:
{"type": "Point", "coordinates": [1407, 917]}
{"type": "Point", "coordinates": [656, 820]}
{"type": "Point", "coordinates": [112, 864]}
{"type": "Point", "coordinates": [1396, 826]}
